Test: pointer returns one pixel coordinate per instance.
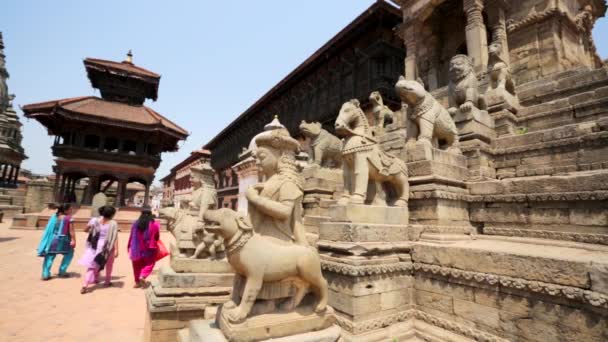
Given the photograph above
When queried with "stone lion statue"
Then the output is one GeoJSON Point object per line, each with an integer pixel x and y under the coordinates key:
{"type": "Point", "coordinates": [325, 147]}
{"type": "Point", "coordinates": [500, 73]}
{"type": "Point", "coordinates": [261, 260]}
{"type": "Point", "coordinates": [433, 120]}
{"type": "Point", "coordinates": [365, 161]}
{"type": "Point", "coordinates": [382, 114]}
{"type": "Point", "coordinates": [463, 90]}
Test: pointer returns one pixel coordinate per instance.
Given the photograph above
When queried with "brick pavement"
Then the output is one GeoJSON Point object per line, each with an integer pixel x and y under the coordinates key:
{"type": "Point", "coordinates": [54, 310]}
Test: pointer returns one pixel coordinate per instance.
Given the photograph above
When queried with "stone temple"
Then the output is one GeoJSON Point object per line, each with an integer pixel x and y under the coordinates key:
{"type": "Point", "coordinates": [468, 201]}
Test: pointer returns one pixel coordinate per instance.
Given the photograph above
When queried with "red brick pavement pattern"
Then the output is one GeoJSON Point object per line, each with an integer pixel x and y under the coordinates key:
{"type": "Point", "coordinates": [51, 311]}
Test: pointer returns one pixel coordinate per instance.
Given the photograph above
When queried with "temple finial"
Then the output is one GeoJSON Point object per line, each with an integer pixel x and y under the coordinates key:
{"type": "Point", "coordinates": [129, 57]}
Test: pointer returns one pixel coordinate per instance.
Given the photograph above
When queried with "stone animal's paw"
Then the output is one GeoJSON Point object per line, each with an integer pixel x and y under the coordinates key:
{"type": "Point", "coordinates": [454, 150]}
{"type": "Point", "coordinates": [466, 107]}
{"type": "Point", "coordinates": [229, 305]}
{"type": "Point", "coordinates": [401, 203]}
{"type": "Point", "coordinates": [357, 199]}
{"type": "Point", "coordinates": [343, 200]}
{"type": "Point", "coordinates": [321, 307]}
{"type": "Point", "coordinates": [236, 315]}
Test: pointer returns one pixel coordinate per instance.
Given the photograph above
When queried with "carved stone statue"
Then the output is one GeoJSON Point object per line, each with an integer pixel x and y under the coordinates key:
{"type": "Point", "coordinates": [463, 90]}
{"type": "Point", "coordinates": [275, 267]}
{"type": "Point", "coordinates": [364, 160]}
{"type": "Point", "coordinates": [325, 147]}
{"type": "Point", "coordinates": [187, 225]}
{"type": "Point", "coordinates": [262, 259]}
{"type": "Point", "coordinates": [499, 70]}
{"type": "Point", "coordinates": [275, 206]}
{"type": "Point", "coordinates": [382, 114]}
{"type": "Point", "coordinates": [433, 120]}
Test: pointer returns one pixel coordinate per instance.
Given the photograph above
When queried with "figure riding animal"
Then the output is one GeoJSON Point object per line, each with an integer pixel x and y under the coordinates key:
{"type": "Point", "coordinates": [364, 160]}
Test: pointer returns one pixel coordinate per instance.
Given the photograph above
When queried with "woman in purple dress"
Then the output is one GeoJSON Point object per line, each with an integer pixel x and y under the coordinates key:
{"type": "Point", "coordinates": [143, 246]}
{"type": "Point", "coordinates": [102, 247]}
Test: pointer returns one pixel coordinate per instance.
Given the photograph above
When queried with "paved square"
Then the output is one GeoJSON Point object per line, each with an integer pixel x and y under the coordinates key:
{"type": "Point", "coordinates": [36, 310]}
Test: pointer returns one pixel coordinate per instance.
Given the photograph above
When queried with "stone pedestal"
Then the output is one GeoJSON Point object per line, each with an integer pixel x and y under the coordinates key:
{"type": "Point", "coordinates": [364, 256]}
{"type": "Point", "coordinates": [475, 124]}
{"type": "Point", "coordinates": [208, 331]}
{"type": "Point", "coordinates": [189, 289]}
{"type": "Point", "coordinates": [503, 107]}
{"type": "Point", "coordinates": [322, 187]}
{"type": "Point", "coordinates": [438, 206]}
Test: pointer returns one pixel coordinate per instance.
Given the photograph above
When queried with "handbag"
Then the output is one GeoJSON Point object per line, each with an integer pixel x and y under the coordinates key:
{"type": "Point", "coordinates": [101, 260]}
{"type": "Point", "coordinates": [161, 251]}
{"type": "Point", "coordinates": [92, 239]}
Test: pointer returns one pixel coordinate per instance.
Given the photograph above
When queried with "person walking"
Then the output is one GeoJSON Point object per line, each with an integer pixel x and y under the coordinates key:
{"type": "Point", "coordinates": [101, 249]}
{"type": "Point", "coordinates": [58, 238]}
{"type": "Point", "coordinates": [143, 246]}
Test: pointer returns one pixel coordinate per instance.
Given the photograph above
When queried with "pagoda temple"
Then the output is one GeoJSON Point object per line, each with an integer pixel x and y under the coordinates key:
{"type": "Point", "coordinates": [114, 139]}
{"type": "Point", "coordinates": [11, 151]}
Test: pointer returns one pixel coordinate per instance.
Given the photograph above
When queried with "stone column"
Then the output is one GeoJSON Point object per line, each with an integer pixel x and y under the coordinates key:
{"type": "Point", "coordinates": [477, 41]}
{"type": "Point", "coordinates": [409, 39]}
{"type": "Point", "coordinates": [120, 192]}
{"type": "Point", "coordinates": [16, 178]}
{"type": "Point", "coordinates": [10, 176]}
{"type": "Point", "coordinates": [91, 190]}
{"type": "Point", "coordinates": [4, 170]}
{"type": "Point", "coordinates": [56, 186]}
{"type": "Point", "coordinates": [497, 21]}
{"type": "Point", "coordinates": [433, 76]}
{"type": "Point", "coordinates": [61, 192]}
{"type": "Point", "coordinates": [147, 194]}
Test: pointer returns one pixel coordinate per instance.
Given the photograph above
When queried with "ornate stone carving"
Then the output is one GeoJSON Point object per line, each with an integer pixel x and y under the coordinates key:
{"type": "Point", "coordinates": [499, 69]}
{"type": "Point", "coordinates": [599, 239]}
{"type": "Point", "coordinates": [325, 147]}
{"type": "Point", "coordinates": [364, 160]}
{"type": "Point", "coordinates": [432, 119]}
{"type": "Point", "coordinates": [261, 259]}
{"type": "Point", "coordinates": [382, 114]}
{"type": "Point", "coordinates": [365, 270]}
{"type": "Point", "coordinates": [275, 266]}
{"type": "Point", "coordinates": [570, 292]}
{"type": "Point", "coordinates": [187, 224]}
{"type": "Point", "coordinates": [463, 89]}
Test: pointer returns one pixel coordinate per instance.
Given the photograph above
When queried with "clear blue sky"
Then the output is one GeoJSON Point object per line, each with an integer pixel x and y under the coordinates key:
{"type": "Point", "coordinates": [216, 57]}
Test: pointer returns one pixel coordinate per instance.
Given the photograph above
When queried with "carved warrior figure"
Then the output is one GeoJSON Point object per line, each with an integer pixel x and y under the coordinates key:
{"type": "Point", "coordinates": [433, 120]}
{"type": "Point", "coordinates": [382, 114]}
{"type": "Point", "coordinates": [499, 70]}
{"type": "Point", "coordinates": [261, 260]}
{"type": "Point", "coordinates": [187, 225]}
{"type": "Point", "coordinates": [463, 90]}
{"type": "Point", "coordinates": [364, 160]}
{"type": "Point", "coordinates": [325, 147]}
{"type": "Point", "coordinates": [268, 249]}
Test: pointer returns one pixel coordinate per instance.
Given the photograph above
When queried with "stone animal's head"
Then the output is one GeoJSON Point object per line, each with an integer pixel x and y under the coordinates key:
{"type": "Point", "coordinates": [169, 214]}
{"type": "Point", "coordinates": [349, 112]}
{"type": "Point", "coordinates": [226, 222]}
{"type": "Point", "coordinates": [310, 129]}
{"type": "Point", "coordinates": [410, 92]}
{"type": "Point", "coordinates": [460, 67]}
{"type": "Point", "coordinates": [376, 99]}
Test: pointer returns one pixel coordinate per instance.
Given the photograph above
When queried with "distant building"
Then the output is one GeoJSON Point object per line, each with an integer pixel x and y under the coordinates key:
{"type": "Point", "coordinates": [177, 187]}
{"type": "Point", "coordinates": [112, 139]}
{"type": "Point", "coordinates": [365, 56]}
{"type": "Point", "coordinates": [11, 151]}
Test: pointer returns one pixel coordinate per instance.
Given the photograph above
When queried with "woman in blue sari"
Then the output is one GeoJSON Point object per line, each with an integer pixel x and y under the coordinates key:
{"type": "Point", "coordinates": [58, 238]}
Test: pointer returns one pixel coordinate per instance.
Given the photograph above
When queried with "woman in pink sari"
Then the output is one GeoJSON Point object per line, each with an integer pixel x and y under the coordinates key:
{"type": "Point", "coordinates": [143, 246]}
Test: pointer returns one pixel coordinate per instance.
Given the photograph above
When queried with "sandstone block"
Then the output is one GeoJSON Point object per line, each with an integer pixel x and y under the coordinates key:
{"type": "Point", "coordinates": [434, 301]}
{"type": "Point", "coordinates": [477, 313]}
{"type": "Point", "coordinates": [356, 232]}
{"type": "Point", "coordinates": [369, 214]}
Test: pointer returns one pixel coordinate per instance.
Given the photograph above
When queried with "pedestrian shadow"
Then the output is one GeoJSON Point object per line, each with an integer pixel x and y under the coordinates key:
{"type": "Point", "coordinates": [10, 238]}
{"type": "Point", "coordinates": [101, 286]}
